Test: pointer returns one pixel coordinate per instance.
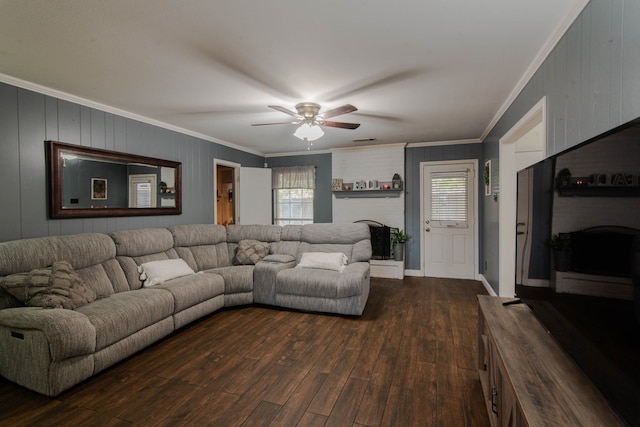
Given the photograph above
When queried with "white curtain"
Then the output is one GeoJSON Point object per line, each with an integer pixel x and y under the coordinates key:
{"type": "Point", "coordinates": [293, 177]}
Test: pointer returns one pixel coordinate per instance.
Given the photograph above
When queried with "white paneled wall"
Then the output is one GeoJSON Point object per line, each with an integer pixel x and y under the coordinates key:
{"type": "Point", "coordinates": [606, 156]}
{"type": "Point", "coordinates": [379, 163]}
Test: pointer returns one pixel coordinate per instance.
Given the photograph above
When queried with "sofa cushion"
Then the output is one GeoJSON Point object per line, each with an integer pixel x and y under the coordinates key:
{"type": "Point", "coordinates": [92, 255]}
{"type": "Point", "coordinates": [156, 272]}
{"type": "Point", "coordinates": [263, 233]}
{"type": "Point", "coordinates": [193, 290]}
{"type": "Point", "coordinates": [145, 241]}
{"type": "Point", "coordinates": [126, 313]}
{"type": "Point", "coordinates": [7, 300]}
{"type": "Point", "coordinates": [58, 286]}
{"type": "Point", "coordinates": [323, 260]}
{"type": "Point", "coordinates": [202, 246]}
{"type": "Point", "coordinates": [198, 234]}
{"type": "Point", "coordinates": [316, 283]}
{"type": "Point", "coordinates": [238, 278]}
{"type": "Point", "coordinates": [250, 252]}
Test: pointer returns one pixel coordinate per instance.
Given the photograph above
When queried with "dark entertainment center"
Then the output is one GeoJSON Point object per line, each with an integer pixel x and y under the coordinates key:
{"type": "Point", "coordinates": [592, 306]}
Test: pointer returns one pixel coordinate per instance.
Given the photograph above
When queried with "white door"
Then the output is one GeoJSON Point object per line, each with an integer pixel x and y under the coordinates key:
{"type": "Point", "coordinates": [449, 227]}
{"type": "Point", "coordinates": [254, 191]}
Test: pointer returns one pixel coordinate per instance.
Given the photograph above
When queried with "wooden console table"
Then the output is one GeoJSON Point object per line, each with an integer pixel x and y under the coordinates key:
{"type": "Point", "coordinates": [527, 379]}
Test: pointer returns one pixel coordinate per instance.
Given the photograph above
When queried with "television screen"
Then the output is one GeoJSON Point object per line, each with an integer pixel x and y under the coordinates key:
{"type": "Point", "coordinates": [578, 253]}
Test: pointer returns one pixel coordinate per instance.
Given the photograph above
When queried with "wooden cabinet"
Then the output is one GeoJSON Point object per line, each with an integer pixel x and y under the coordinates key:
{"type": "Point", "coordinates": [498, 392]}
{"type": "Point", "coordinates": [527, 379]}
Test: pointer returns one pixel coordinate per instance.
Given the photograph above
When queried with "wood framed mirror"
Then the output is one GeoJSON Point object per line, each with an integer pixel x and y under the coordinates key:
{"type": "Point", "coordinates": [90, 182]}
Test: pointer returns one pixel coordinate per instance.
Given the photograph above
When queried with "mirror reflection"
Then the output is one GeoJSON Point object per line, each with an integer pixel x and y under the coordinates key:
{"type": "Point", "coordinates": [88, 182]}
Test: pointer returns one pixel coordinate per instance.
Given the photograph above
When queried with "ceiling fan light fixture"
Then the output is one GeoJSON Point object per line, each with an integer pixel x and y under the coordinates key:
{"type": "Point", "coordinates": [309, 132]}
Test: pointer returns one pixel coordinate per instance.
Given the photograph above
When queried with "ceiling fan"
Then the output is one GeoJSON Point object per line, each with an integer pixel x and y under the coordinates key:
{"type": "Point", "coordinates": [307, 113]}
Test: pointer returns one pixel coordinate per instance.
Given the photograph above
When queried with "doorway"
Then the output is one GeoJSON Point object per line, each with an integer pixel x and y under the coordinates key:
{"type": "Point", "coordinates": [523, 145]}
{"type": "Point", "coordinates": [142, 191]}
{"type": "Point", "coordinates": [448, 215]}
{"type": "Point", "coordinates": [225, 178]}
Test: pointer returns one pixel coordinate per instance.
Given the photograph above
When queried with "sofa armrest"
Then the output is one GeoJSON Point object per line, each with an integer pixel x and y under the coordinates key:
{"type": "Point", "coordinates": [357, 272]}
{"type": "Point", "coordinates": [66, 333]}
{"type": "Point", "coordinates": [279, 258]}
{"type": "Point", "coordinates": [264, 277]}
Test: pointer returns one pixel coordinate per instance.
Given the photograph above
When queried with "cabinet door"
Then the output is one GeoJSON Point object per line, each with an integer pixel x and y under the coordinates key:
{"type": "Point", "coordinates": [502, 398]}
{"type": "Point", "coordinates": [495, 379]}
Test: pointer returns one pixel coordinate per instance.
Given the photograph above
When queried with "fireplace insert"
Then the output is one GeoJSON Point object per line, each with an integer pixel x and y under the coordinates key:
{"type": "Point", "coordinates": [603, 250]}
{"type": "Point", "coordinates": [380, 239]}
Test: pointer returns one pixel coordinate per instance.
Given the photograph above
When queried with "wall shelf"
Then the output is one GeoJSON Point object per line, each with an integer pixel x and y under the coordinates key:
{"type": "Point", "coordinates": [360, 194]}
{"type": "Point", "coordinates": [350, 190]}
{"type": "Point", "coordinates": [599, 191]}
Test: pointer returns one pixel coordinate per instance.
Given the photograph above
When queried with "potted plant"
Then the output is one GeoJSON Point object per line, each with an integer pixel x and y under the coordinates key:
{"type": "Point", "coordinates": [399, 239]}
{"type": "Point", "coordinates": [560, 244]}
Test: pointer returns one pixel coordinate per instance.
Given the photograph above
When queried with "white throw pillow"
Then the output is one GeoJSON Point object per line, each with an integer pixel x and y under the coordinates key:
{"type": "Point", "coordinates": [324, 260]}
{"type": "Point", "coordinates": [156, 272]}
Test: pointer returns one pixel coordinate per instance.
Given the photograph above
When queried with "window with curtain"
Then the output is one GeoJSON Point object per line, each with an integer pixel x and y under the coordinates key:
{"type": "Point", "coordinates": [449, 199]}
{"type": "Point", "coordinates": [293, 189]}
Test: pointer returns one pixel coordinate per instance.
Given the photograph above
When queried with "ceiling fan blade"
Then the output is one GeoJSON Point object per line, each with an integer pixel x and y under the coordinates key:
{"type": "Point", "coordinates": [347, 108]}
{"type": "Point", "coordinates": [341, 125]}
{"type": "Point", "coordinates": [284, 110]}
{"type": "Point", "coordinates": [279, 123]}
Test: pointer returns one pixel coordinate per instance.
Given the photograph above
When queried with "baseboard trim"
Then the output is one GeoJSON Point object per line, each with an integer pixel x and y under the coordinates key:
{"type": "Point", "coordinates": [538, 283]}
{"type": "Point", "coordinates": [487, 286]}
{"type": "Point", "coordinates": [414, 273]}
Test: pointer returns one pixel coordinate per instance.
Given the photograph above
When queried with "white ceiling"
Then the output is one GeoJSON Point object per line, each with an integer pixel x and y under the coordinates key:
{"type": "Point", "coordinates": [417, 70]}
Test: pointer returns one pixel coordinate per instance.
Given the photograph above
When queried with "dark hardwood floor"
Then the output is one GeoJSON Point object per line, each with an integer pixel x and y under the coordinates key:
{"type": "Point", "coordinates": [410, 360]}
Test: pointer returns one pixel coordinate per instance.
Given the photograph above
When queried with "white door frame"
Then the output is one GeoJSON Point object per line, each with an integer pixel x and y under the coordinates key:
{"type": "Point", "coordinates": [423, 214]}
{"type": "Point", "coordinates": [508, 195]}
{"type": "Point", "coordinates": [144, 178]}
{"type": "Point", "coordinates": [236, 187]}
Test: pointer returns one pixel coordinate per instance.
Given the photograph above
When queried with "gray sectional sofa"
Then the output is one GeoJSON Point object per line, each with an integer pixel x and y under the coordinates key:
{"type": "Point", "coordinates": [104, 312]}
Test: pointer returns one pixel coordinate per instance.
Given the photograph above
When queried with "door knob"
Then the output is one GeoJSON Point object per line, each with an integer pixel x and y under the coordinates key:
{"type": "Point", "coordinates": [427, 229]}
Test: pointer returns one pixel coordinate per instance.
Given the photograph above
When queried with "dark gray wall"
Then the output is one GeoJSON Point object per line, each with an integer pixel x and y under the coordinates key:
{"type": "Point", "coordinates": [413, 158]}
{"type": "Point", "coordinates": [592, 83]}
{"type": "Point", "coordinates": [322, 196]}
{"type": "Point", "coordinates": [77, 175]}
{"type": "Point", "coordinates": [27, 119]}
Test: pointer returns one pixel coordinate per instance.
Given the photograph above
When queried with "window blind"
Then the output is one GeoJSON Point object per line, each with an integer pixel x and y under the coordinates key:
{"type": "Point", "coordinates": [449, 198]}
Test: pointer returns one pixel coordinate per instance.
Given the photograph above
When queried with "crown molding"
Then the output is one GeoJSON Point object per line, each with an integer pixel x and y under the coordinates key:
{"type": "Point", "coordinates": [438, 143]}
{"type": "Point", "coordinates": [34, 87]}
{"type": "Point", "coordinates": [297, 153]}
{"type": "Point", "coordinates": [369, 147]}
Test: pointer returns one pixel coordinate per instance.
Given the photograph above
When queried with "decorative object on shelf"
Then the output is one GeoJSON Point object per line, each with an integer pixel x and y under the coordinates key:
{"type": "Point", "coordinates": [399, 239]}
{"type": "Point", "coordinates": [361, 188]}
{"type": "Point", "coordinates": [597, 185]}
{"type": "Point", "coordinates": [487, 178]}
{"type": "Point", "coordinates": [396, 182]}
{"type": "Point", "coordinates": [337, 184]}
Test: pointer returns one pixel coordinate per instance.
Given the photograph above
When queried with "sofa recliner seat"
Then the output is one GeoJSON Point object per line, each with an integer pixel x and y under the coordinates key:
{"type": "Point", "coordinates": [51, 349]}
